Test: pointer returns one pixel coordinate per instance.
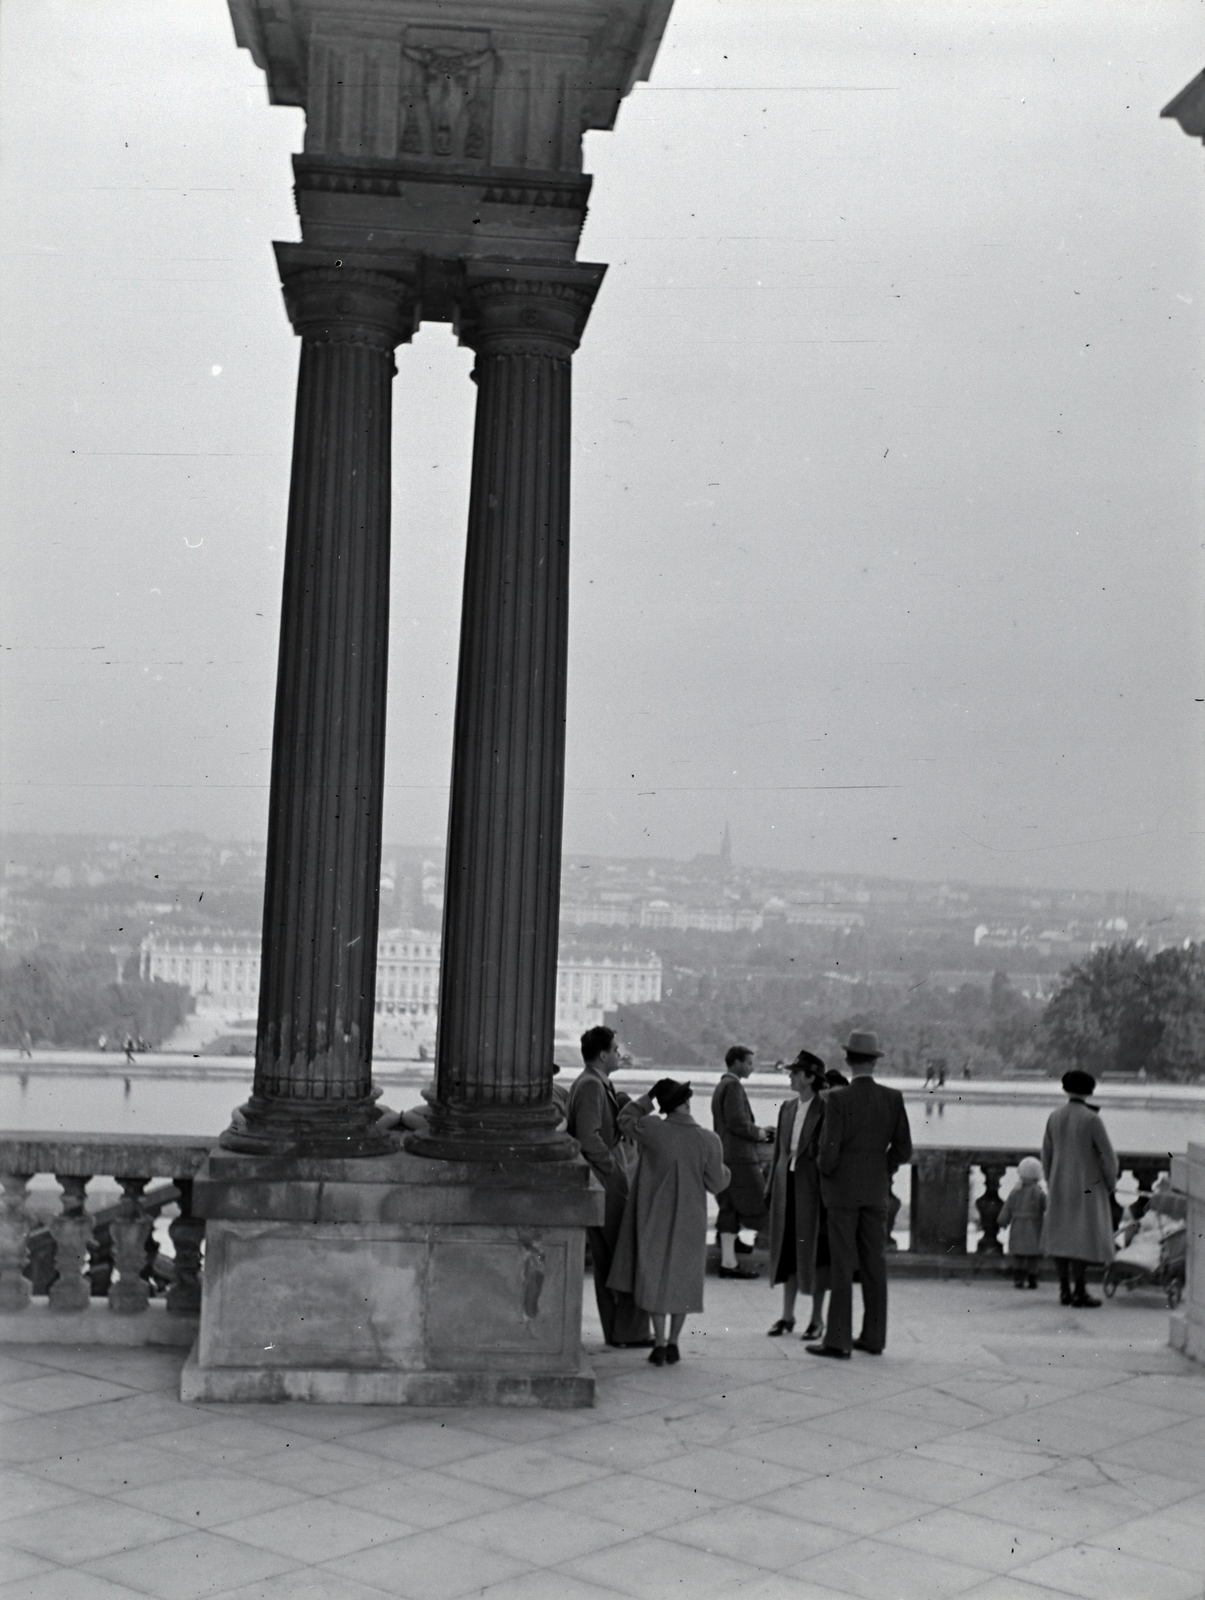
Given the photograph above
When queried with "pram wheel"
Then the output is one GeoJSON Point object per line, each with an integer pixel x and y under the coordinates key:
{"type": "Point", "coordinates": [1109, 1285]}
{"type": "Point", "coordinates": [1174, 1290]}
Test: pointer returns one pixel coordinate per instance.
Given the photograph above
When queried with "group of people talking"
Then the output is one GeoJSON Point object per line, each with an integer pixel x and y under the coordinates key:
{"type": "Point", "coordinates": [837, 1143]}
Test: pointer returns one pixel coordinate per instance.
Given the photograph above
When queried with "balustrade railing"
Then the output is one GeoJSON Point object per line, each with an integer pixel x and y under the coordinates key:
{"type": "Point", "coordinates": [110, 1252]}
{"type": "Point", "coordinates": [940, 1209]}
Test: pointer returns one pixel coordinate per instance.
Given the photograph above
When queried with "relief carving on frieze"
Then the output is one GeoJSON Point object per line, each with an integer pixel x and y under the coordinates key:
{"type": "Point", "coordinates": [446, 103]}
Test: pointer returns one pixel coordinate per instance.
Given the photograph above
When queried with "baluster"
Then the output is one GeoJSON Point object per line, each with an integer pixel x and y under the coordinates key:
{"type": "Point", "coordinates": [71, 1231]}
{"type": "Point", "coordinates": [15, 1287]}
{"type": "Point", "coordinates": [186, 1231]}
{"type": "Point", "coordinates": [989, 1206]}
{"type": "Point", "coordinates": [940, 1201]}
{"type": "Point", "coordinates": [130, 1293]}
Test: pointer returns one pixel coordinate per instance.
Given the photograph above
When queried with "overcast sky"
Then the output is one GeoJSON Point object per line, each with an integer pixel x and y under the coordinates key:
{"type": "Point", "coordinates": [888, 443]}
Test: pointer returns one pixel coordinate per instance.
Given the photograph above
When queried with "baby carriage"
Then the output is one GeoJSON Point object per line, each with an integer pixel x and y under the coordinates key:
{"type": "Point", "coordinates": [1152, 1254]}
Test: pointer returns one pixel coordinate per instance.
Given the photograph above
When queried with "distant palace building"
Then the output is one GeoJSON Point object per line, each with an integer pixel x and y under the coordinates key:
{"type": "Point", "coordinates": [221, 971]}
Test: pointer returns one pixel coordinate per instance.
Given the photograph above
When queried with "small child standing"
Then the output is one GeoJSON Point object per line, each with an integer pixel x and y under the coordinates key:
{"type": "Point", "coordinates": [1022, 1214]}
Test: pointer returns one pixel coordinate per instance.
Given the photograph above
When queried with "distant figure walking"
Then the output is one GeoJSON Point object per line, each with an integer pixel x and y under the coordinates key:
{"type": "Point", "coordinates": [592, 1118]}
{"type": "Point", "coordinates": [799, 1250]}
{"type": "Point", "coordinates": [26, 1045]}
{"type": "Point", "coordinates": [743, 1202]}
{"type": "Point", "coordinates": [864, 1139]}
{"type": "Point", "coordinates": [661, 1252]}
{"type": "Point", "coordinates": [1081, 1175]}
{"type": "Point", "coordinates": [130, 1048]}
{"type": "Point", "coordinates": [1022, 1214]}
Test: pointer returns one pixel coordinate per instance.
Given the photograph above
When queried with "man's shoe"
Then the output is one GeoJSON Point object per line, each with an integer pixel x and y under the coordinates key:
{"type": "Point", "coordinates": [867, 1349]}
{"type": "Point", "coordinates": [1084, 1299]}
{"type": "Point", "coordinates": [739, 1272]}
{"type": "Point", "coordinates": [672, 1354]}
{"type": "Point", "coordinates": [827, 1350]}
{"type": "Point", "coordinates": [657, 1355]}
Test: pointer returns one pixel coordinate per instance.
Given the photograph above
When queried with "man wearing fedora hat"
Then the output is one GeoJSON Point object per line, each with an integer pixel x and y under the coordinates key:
{"type": "Point", "coordinates": [864, 1138]}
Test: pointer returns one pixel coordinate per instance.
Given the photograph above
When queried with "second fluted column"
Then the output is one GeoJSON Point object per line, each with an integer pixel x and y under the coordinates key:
{"type": "Point", "coordinates": [497, 1002]}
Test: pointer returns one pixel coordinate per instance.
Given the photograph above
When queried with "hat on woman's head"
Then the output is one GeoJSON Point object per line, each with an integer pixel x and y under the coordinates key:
{"type": "Point", "coordinates": [835, 1079]}
{"type": "Point", "coordinates": [670, 1094]}
{"type": "Point", "coordinates": [1029, 1169]}
{"type": "Point", "coordinates": [1078, 1083]}
{"type": "Point", "coordinates": [805, 1061]}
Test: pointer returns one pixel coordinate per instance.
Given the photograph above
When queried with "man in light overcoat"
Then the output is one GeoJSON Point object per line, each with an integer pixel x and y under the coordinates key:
{"type": "Point", "coordinates": [592, 1118]}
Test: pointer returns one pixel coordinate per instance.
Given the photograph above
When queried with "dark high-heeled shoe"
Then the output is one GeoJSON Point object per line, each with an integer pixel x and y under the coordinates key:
{"type": "Point", "coordinates": [672, 1354]}
{"type": "Point", "coordinates": [813, 1331]}
{"type": "Point", "coordinates": [657, 1355]}
{"type": "Point", "coordinates": [783, 1325]}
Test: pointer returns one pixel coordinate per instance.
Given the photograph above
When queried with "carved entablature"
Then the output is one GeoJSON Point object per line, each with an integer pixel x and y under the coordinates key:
{"type": "Point", "coordinates": [448, 131]}
{"type": "Point", "coordinates": [488, 83]}
{"type": "Point", "coordinates": [443, 96]}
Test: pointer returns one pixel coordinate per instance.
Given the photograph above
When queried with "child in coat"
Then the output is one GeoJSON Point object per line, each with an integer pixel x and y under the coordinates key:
{"type": "Point", "coordinates": [1022, 1214]}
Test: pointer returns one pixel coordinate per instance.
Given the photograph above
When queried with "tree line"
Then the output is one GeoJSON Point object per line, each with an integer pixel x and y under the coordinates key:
{"type": "Point", "coordinates": [1119, 1011]}
{"type": "Point", "coordinates": [58, 997]}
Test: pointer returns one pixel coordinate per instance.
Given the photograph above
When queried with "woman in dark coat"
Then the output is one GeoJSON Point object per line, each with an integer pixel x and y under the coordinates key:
{"type": "Point", "coordinates": [662, 1247]}
{"type": "Point", "coordinates": [1081, 1175]}
{"type": "Point", "coordinates": [799, 1256]}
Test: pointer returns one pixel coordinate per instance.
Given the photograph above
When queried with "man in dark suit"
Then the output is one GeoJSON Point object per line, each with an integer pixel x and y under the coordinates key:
{"type": "Point", "coordinates": [864, 1139]}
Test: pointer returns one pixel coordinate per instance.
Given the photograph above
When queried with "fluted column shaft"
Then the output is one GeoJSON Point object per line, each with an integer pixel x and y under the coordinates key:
{"type": "Point", "coordinates": [497, 1002]}
{"type": "Point", "coordinates": [312, 1091]}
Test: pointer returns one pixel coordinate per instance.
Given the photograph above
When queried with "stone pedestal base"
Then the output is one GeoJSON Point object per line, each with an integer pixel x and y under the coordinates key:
{"type": "Point", "coordinates": [392, 1281]}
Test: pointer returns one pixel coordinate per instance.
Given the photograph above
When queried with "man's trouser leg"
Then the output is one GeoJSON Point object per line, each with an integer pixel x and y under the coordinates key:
{"type": "Point", "coordinates": [600, 1255]}
{"type": "Point", "coordinates": [872, 1265]}
{"type": "Point", "coordinates": [843, 1248]}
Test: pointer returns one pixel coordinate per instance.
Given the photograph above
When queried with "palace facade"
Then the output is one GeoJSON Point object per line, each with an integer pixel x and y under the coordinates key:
{"type": "Point", "coordinates": [221, 970]}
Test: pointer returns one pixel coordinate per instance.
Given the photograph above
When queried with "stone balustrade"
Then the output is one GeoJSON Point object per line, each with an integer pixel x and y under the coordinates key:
{"type": "Point", "coordinates": [77, 1259]}
{"type": "Point", "coordinates": [79, 1255]}
{"type": "Point", "coordinates": [941, 1196]}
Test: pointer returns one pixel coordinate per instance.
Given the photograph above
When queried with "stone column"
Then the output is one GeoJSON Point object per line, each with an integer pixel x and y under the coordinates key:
{"type": "Point", "coordinates": [497, 1000]}
{"type": "Point", "coordinates": [312, 1093]}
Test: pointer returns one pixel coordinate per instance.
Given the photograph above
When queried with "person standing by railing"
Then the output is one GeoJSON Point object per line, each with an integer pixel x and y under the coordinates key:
{"type": "Point", "coordinates": [797, 1232]}
{"type": "Point", "coordinates": [864, 1139]}
{"type": "Point", "coordinates": [1081, 1175]}
{"type": "Point", "coordinates": [743, 1202]}
{"type": "Point", "coordinates": [660, 1253]}
{"type": "Point", "coordinates": [592, 1118]}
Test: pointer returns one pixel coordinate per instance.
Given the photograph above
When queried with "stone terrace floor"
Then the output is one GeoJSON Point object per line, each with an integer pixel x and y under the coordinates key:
{"type": "Point", "coordinates": [1001, 1448]}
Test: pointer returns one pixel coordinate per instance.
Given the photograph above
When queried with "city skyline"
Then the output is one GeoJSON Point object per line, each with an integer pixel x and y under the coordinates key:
{"type": "Point", "coordinates": [888, 447]}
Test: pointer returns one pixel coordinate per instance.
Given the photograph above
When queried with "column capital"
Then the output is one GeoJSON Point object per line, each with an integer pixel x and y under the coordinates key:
{"type": "Point", "coordinates": [342, 297]}
{"type": "Point", "coordinates": [508, 308]}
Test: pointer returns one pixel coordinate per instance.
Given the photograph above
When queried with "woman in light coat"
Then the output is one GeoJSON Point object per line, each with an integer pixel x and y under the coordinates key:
{"type": "Point", "coordinates": [798, 1242]}
{"type": "Point", "coordinates": [1081, 1175]}
{"type": "Point", "coordinates": [661, 1252]}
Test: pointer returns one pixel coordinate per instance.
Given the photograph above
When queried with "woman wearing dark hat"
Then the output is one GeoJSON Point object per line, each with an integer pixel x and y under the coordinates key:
{"type": "Point", "coordinates": [1081, 1174]}
{"type": "Point", "coordinates": [799, 1257]}
{"type": "Point", "coordinates": [662, 1246]}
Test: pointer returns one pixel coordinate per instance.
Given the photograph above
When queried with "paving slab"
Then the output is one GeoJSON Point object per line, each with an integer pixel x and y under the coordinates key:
{"type": "Point", "coordinates": [1001, 1448]}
